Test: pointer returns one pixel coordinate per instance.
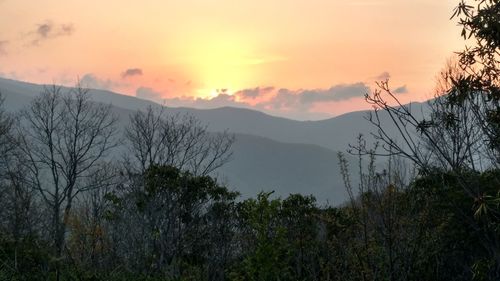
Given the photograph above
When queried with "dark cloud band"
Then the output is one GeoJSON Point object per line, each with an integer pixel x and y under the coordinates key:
{"type": "Point", "coordinates": [49, 30]}
{"type": "Point", "coordinates": [401, 90]}
{"type": "Point", "coordinates": [132, 72]}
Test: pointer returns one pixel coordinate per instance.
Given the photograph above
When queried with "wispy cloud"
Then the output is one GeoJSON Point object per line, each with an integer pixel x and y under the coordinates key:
{"type": "Point", "coordinates": [304, 99]}
{"type": "Point", "coordinates": [386, 76]}
{"type": "Point", "coordinates": [90, 80]}
{"type": "Point", "coordinates": [220, 100]}
{"type": "Point", "coordinates": [254, 93]}
{"type": "Point", "coordinates": [132, 72]}
{"type": "Point", "coordinates": [148, 93]}
{"type": "Point", "coordinates": [299, 104]}
{"type": "Point", "coordinates": [335, 93]}
{"type": "Point", "coordinates": [49, 30]}
{"type": "Point", "coordinates": [383, 76]}
{"type": "Point", "coordinates": [401, 90]}
{"type": "Point", "coordinates": [281, 98]}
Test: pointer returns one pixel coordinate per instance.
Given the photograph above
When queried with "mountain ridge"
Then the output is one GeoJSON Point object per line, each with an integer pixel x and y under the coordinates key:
{"type": "Point", "coordinates": [270, 153]}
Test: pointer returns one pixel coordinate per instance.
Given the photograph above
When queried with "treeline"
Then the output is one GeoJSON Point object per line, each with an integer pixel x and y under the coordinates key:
{"type": "Point", "coordinates": [81, 200]}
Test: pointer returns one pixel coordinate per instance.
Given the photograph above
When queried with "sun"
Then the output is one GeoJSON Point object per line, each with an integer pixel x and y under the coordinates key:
{"type": "Point", "coordinates": [222, 64]}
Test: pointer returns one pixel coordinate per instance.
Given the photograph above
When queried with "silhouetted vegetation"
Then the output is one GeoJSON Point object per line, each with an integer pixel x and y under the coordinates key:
{"type": "Point", "coordinates": [81, 201]}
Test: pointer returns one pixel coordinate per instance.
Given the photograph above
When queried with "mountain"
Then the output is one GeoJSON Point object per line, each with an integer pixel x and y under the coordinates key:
{"type": "Point", "coordinates": [334, 133]}
{"type": "Point", "coordinates": [270, 153]}
{"type": "Point", "coordinates": [263, 164]}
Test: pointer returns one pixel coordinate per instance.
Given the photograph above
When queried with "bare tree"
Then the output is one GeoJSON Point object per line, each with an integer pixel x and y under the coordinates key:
{"type": "Point", "coordinates": [154, 137]}
{"type": "Point", "coordinates": [455, 127]}
{"type": "Point", "coordinates": [164, 217]}
{"type": "Point", "coordinates": [460, 134]}
{"type": "Point", "coordinates": [7, 143]}
{"type": "Point", "coordinates": [14, 198]}
{"type": "Point", "coordinates": [89, 242]}
{"type": "Point", "coordinates": [448, 134]}
{"type": "Point", "coordinates": [62, 139]}
{"type": "Point", "coordinates": [18, 216]}
{"type": "Point", "coordinates": [391, 228]}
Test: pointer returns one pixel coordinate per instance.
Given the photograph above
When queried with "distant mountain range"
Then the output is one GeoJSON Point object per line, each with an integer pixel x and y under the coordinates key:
{"type": "Point", "coordinates": [270, 153]}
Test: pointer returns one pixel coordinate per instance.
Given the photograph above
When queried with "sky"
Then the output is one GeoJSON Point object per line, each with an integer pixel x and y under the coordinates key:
{"type": "Point", "coordinates": [300, 59]}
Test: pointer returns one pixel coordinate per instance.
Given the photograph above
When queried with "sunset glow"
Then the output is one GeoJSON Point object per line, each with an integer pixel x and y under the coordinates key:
{"type": "Point", "coordinates": [185, 52]}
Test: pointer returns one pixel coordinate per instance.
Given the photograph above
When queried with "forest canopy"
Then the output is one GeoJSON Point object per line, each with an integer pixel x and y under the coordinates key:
{"type": "Point", "coordinates": [71, 210]}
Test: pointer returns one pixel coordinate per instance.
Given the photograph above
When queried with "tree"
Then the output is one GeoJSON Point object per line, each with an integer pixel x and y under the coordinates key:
{"type": "Point", "coordinates": [6, 148]}
{"type": "Point", "coordinates": [462, 132]}
{"type": "Point", "coordinates": [266, 255]}
{"type": "Point", "coordinates": [167, 222]}
{"type": "Point", "coordinates": [89, 242]}
{"type": "Point", "coordinates": [443, 134]}
{"type": "Point", "coordinates": [480, 62]}
{"type": "Point", "coordinates": [453, 138]}
{"type": "Point", "coordinates": [299, 215]}
{"type": "Point", "coordinates": [19, 218]}
{"type": "Point", "coordinates": [390, 237]}
{"type": "Point", "coordinates": [480, 20]}
{"type": "Point", "coordinates": [156, 138]}
{"type": "Point", "coordinates": [63, 137]}
{"type": "Point", "coordinates": [6, 125]}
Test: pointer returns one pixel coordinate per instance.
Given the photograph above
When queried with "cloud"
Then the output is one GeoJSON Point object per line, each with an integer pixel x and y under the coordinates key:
{"type": "Point", "coordinates": [401, 90]}
{"type": "Point", "coordinates": [89, 80]}
{"type": "Point", "coordinates": [283, 98]}
{"type": "Point", "coordinates": [3, 47]}
{"type": "Point", "coordinates": [383, 76]}
{"type": "Point", "coordinates": [299, 104]}
{"type": "Point", "coordinates": [44, 29]}
{"type": "Point", "coordinates": [132, 72]}
{"type": "Point", "coordinates": [253, 93]}
{"type": "Point", "coordinates": [49, 30]}
{"type": "Point", "coordinates": [305, 99]}
{"type": "Point", "coordinates": [270, 98]}
{"type": "Point", "coordinates": [147, 93]}
{"type": "Point", "coordinates": [335, 93]}
{"type": "Point", "coordinates": [221, 100]}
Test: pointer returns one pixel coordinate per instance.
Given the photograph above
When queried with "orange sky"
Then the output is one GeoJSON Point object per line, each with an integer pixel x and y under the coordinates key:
{"type": "Point", "coordinates": [303, 59]}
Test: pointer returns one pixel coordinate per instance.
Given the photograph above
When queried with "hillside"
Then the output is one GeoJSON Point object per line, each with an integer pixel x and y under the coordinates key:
{"type": "Point", "coordinates": [270, 153]}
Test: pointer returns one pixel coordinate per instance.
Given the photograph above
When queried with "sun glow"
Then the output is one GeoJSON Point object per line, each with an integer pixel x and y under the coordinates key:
{"type": "Point", "coordinates": [223, 63]}
{"type": "Point", "coordinates": [206, 45]}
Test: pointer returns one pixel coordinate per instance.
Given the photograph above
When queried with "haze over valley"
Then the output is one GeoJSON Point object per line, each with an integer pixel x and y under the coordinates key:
{"type": "Point", "coordinates": [223, 140]}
